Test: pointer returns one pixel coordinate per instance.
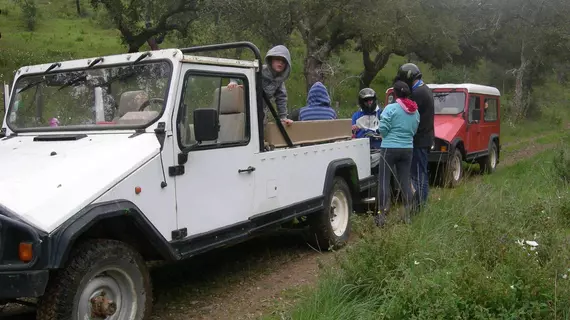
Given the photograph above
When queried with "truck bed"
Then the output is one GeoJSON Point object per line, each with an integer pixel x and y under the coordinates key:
{"type": "Point", "coordinates": [285, 176]}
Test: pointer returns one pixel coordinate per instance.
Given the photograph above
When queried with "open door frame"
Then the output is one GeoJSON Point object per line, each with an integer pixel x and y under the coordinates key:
{"type": "Point", "coordinates": [6, 97]}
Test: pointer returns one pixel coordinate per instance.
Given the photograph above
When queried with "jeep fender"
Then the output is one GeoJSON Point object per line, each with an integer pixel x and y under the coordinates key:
{"type": "Point", "coordinates": [495, 137]}
{"type": "Point", "coordinates": [455, 143]}
{"type": "Point", "coordinates": [345, 168]}
{"type": "Point", "coordinates": [64, 238]}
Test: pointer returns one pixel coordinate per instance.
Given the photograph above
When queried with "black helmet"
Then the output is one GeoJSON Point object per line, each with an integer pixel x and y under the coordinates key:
{"type": "Point", "coordinates": [408, 73]}
{"type": "Point", "coordinates": [367, 94]}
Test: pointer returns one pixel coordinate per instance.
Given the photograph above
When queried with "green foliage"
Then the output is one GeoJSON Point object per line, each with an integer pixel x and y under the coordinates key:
{"type": "Point", "coordinates": [561, 162]}
{"type": "Point", "coordinates": [452, 263]}
{"type": "Point", "coordinates": [30, 13]}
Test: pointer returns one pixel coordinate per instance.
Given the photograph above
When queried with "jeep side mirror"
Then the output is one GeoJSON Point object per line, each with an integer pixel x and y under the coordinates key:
{"type": "Point", "coordinates": [206, 124]}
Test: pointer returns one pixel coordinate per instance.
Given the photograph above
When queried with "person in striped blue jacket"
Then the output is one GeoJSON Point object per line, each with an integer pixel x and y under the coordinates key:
{"type": "Point", "coordinates": [318, 105]}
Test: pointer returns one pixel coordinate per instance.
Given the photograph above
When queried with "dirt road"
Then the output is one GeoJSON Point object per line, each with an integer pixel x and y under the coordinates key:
{"type": "Point", "coordinates": [248, 280]}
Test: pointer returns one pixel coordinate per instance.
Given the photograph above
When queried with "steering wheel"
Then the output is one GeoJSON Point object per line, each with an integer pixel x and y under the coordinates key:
{"type": "Point", "coordinates": [149, 101]}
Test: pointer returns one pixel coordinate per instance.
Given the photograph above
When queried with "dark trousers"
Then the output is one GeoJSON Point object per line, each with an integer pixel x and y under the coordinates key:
{"type": "Point", "coordinates": [419, 174]}
{"type": "Point", "coordinates": [395, 162]}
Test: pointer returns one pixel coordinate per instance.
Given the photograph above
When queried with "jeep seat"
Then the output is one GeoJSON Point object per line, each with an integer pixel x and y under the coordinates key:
{"type": "Point", "coordinates": [309, 132]}
{"type": "Point", "coordinates": [232, 114]}
{"type": "Point", "coordinates": [129, 106]}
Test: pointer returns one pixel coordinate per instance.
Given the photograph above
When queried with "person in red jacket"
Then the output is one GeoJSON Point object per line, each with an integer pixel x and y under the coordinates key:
{"type": "Point", "coordinates": [424, 137]}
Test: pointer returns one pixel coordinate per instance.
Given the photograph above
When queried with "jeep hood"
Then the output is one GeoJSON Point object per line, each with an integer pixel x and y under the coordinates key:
{"type": "Point", "coordinates": [46, 182]}
{"type": "Point", "coordinates": [447, 126]}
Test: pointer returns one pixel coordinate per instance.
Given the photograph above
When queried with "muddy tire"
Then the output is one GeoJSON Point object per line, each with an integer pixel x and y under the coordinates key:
{"type": "Point", "coordinates": [108, 270]}
{"type": "Point", "coordinates": [330, 228]}
{"type": "Point", "coordinates": [489, 163]}
{"type": "Point", "coordinates": [453, 172]}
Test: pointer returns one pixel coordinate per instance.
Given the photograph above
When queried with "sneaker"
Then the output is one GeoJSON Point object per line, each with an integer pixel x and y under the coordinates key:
{"type": "Point", "coordinates": [380, 219]}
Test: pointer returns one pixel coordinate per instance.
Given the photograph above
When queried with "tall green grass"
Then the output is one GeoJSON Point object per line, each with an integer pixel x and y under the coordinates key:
{"type": "Point", "coordinates": [465, 257]}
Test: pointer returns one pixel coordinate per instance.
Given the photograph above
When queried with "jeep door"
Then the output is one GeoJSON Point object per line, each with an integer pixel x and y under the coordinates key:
{"type": "Point", "coordinates": [215, 190]}
{"type": "Point", "coordinates": [474, 135]}
{"type": "Point", "coordinates": [490, 124]}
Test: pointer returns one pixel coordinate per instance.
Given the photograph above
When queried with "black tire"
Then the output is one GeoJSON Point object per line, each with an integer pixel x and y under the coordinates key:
{"type": "Point", "coordinates": [322, 225]}
{"type": "Point", "coordinates": [489, 163]}
{"type": "Point", "coordinates": [453, 172]}
{"type": "Point", "coordinates": [114, 259]}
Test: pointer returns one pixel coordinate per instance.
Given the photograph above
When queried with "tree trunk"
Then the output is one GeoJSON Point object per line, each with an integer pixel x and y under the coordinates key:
{"type": "Point", "coordinates": [133, 48]}
{"type": "Point", "coordinates": [313, 71]}
{"type": "Point", "coordinates": [371, 68]}
{"type": "Point", "coordinates": [78, 6]}
{"type": "Point", "coordinates": [520, 99]}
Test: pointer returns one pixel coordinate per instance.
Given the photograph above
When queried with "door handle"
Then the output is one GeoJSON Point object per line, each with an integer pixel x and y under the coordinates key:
{"type": "Point", "coordinates": [249, 169]}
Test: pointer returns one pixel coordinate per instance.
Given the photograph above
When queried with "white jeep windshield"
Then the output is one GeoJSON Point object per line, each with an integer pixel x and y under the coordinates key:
{"type": "Point", "coordinates": [90, 99]}
{"type": "Point", "coordinates": [449, 102]}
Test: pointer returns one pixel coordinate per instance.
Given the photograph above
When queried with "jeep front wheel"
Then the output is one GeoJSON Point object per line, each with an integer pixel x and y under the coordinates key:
{"type": "Point", "coordinates": [453, 170]}
{"type": "Point", "coordinates": [104, 279]}
{"type": "Point", "coordinates": [331, 227]}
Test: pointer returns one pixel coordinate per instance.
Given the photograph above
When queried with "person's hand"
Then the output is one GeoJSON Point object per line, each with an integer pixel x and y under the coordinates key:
{"type": "Point", "coordinates": [287, 121]}
{"type": "Point", "coordinates": [232, 85]}
{"type": "Point", "coordinates": [355, 128]}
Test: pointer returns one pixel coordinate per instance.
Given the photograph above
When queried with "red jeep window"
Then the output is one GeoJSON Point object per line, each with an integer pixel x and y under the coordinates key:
{"type": "Point", "coordinates": [474, 108]}
{"type": "Point", "coordinates": [491, 110]}
{"type": "Point", "coordinates": [450, 103]}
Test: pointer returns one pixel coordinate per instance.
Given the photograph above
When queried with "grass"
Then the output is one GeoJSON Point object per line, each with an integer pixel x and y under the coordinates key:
{"type": "Point", "coordinates": [465, 257]}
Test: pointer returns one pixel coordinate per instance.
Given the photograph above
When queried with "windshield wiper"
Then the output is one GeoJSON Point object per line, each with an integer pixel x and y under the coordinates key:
{"type": "Point", "coordinates": [73, 81]}
{"type": "Point", "coordinates": [31, 85]}
{"type": "Point", "coordinates": [81, 77]}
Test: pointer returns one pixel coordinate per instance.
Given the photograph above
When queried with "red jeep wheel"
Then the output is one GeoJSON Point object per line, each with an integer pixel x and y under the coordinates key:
{"type": "Point", "coordinates": [453, 172]}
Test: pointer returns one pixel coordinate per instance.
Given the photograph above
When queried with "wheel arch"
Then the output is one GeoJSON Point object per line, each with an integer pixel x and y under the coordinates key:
{"type": "Point", "coordinates": [458, 143]}
{"type": "Point", "coordinates": [109, 220]}
{"type": "Point", "coordinates": [496, 139]}
{"type": "Point", "coordinates": [346, 169]}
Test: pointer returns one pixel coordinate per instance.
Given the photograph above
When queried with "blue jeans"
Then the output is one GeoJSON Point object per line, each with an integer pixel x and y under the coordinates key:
{"type": "Point", "coordinates": [419, 175]}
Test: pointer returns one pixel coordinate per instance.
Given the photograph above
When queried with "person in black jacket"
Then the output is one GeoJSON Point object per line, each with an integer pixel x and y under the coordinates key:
{"type": "Point", "coordinates": [424, 137]}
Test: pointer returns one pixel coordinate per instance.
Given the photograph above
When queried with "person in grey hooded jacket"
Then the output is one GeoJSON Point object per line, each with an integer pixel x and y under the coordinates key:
{"type": "Point", "coordinates": [274, 73]}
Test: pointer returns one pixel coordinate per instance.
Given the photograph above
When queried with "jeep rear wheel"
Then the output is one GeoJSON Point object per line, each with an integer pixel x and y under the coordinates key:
{"type": "Point", "coordinates": [104, 279]}
{"type": "Point", "coordinates": [489, 163]}
{"type": "Point", "coordinates": [330, 228]}
{"type": "Point", "coordinates": [453, 173]}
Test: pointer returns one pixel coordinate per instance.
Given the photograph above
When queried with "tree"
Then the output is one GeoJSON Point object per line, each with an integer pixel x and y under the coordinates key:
{"type": "Point", "coordinates": [325, 26]}
{"type": "Point", "coordinates": [532, 36]}
{"type": "Point", "coordinates": [272, 21]}
{"type": "Point", "coordinates": [140, 20]}
{"type": "Point", "coordinates": [447, 31]}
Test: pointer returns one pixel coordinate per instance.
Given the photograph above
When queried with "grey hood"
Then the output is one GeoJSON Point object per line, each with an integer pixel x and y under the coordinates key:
{"type": "Point", "coordinates": [278, 51]}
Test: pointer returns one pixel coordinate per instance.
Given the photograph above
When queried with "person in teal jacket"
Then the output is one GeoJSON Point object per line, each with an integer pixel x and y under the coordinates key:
{"type": "Point", "coordinates": [398, 124]}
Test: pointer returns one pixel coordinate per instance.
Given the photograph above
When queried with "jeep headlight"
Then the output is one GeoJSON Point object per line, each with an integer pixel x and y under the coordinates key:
{"type": "Point", "coordinates": [440, 145]}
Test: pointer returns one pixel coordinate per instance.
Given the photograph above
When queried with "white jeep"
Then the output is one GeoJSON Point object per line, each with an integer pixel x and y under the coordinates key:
{"type": "Point", "coordinates": [113, 161]}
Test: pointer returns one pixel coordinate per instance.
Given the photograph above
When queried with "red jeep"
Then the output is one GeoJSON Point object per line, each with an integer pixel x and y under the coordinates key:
{"type": "Point", "coordinates": [467, 128]}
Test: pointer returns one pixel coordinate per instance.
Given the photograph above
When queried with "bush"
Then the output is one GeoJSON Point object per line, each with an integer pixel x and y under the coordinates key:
{"type": "Point", "coordinates": [30, 13]}
{"type": "Point", "coordinates": [561, 161]}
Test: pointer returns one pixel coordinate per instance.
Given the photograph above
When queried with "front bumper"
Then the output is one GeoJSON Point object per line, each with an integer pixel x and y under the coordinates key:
{"type": "Point", "coordinates": [19, 279]}
{"type": "Point", "coordinates": [23, 284]}
{"type": "Point", "coordinates": [438, 157]}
